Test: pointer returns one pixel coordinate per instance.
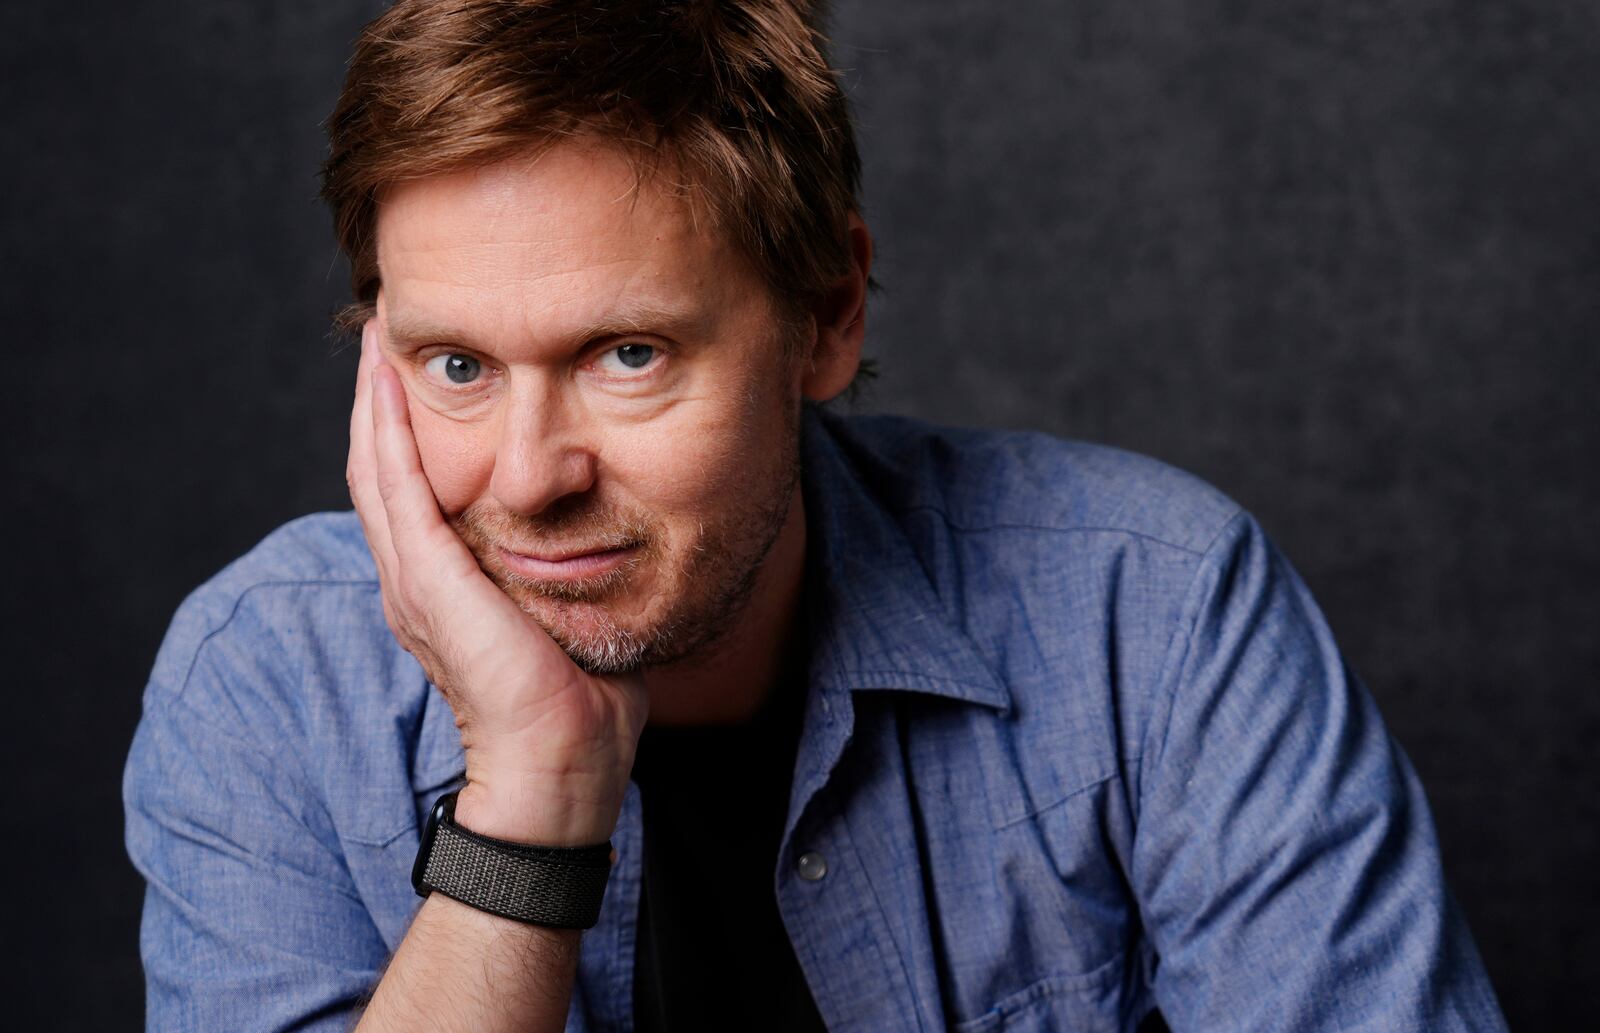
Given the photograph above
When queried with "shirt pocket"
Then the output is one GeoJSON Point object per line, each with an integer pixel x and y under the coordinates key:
{"type": "Point", "coordinates": [1086, 1002]}
{"type": "Point", "coordinates": [1042, 938]}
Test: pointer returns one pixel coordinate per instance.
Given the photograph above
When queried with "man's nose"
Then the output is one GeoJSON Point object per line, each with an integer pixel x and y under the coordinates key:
{"type": "Point", "coordinates": [542, 455]}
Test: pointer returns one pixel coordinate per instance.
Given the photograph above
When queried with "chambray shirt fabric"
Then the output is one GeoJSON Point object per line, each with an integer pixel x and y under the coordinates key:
{"type": "Point", "coordinates": [1077, 744]}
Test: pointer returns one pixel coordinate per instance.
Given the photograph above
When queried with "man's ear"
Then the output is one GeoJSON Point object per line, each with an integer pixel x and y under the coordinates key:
{"type": "Point", "coordinates": [841, 323]}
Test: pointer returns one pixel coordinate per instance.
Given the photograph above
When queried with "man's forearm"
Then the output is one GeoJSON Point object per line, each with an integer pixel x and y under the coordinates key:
{"type": "Point", "coordinates": [461, 969]}
{"type": "Point", "coordinates": [547, 746]}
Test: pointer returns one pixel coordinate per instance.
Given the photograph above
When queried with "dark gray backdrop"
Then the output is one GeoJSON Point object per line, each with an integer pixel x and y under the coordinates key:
{"type": "Point", "coordinates": [1337, 258]}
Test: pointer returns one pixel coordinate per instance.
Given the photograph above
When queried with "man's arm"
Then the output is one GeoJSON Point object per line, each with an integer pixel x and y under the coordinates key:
{"type": "Point", "coordinates": [464, 969]}
{"type": "Point", "coordinates": [1285, 861]}
{"type": "Point", "coordinates": [251, 919]}
{"type": "Point", "coordinates": [459, 968]}
{"type": "Point", "coordinates": [548, 747]}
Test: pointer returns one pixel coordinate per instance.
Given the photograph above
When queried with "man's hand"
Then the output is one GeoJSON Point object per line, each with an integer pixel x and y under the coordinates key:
{"type": "Point", "coordinates": [548, 747]}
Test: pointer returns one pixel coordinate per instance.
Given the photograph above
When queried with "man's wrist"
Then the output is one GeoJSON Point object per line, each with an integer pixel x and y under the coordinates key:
{"type": "Point", "coordinates": [527, 815]}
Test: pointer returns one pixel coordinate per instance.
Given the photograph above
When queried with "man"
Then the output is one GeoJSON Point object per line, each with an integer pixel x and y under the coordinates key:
{"type": "Point", "coordinates": [812, 721]}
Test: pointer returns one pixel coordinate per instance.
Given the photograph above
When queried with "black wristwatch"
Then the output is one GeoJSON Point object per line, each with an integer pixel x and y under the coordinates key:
{"type": "Point", "coordinates": [560, 887]}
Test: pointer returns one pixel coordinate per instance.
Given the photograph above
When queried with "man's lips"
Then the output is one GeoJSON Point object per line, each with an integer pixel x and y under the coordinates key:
{"type": "Point", "coordinates": [571, 552]}
{"type": "Point", "coordinates": [566, 564]}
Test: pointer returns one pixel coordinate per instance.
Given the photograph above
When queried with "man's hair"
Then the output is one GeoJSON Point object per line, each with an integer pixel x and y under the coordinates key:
{"type": "Point", "coordinates": [735, 98]}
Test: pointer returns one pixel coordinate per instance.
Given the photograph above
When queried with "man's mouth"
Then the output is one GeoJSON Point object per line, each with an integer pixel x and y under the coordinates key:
{"type": "Point", "coordinates": [567, 564]}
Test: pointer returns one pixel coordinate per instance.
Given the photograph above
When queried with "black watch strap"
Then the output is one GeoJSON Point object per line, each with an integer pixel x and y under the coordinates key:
{"type": "Point", "coordinates": [560, 887]}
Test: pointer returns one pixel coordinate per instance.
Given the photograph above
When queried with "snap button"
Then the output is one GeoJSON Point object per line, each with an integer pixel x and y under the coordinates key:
{"type": "Point", "coordinates": [812, 866]}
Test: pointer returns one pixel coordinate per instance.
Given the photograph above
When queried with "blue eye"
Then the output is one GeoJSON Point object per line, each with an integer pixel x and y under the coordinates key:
{"type": "Point", "coordinates": [455, 367]}
{"type": "Point", "coordinates": [635, 356]}
{"type": "Point", "coordinates": [629, 357]}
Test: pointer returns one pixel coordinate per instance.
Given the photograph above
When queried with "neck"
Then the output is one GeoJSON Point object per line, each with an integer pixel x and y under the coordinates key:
{"type": "Point", "coordinates": [729, 682]}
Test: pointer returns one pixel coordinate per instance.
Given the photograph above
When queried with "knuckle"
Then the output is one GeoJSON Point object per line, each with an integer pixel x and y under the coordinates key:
{"type": "Point", "coordinates": [405, 636]}
{"type": "Point", "coordinates": [427, 628]}
{"type": "Point", "coordinates": [405, 591]}
{"type": "Point", "coordinates": [398, 608]}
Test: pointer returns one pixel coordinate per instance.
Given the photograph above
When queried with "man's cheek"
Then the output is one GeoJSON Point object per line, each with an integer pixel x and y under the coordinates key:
{"type": "Point", "coordinates": [457, 465]}
{"type": "Point", "coordinates": [692, 451]}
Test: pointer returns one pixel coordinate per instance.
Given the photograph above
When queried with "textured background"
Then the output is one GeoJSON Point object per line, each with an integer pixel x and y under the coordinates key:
{"type": "Point", "coordinates": [1338, 258]}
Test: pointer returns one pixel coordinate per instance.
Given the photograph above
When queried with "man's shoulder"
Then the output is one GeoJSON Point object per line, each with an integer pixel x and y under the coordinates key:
{"type": "Point", "coordinates": [1065, 565]}
{"type": "Point", "coordinates": [980, 480]}
{"type": "Point", "coordinates": [279, 693]}
{"type": "Point", "coordinates": [318, 547]}
{"type": "Point", "coordinates": [264, 603]}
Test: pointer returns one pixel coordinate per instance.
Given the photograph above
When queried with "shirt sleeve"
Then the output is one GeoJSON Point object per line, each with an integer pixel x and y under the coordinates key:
{"type": "Point", "coordinates": [251, 920]}
{"type": "Point", "coordinates": [1285, 861]}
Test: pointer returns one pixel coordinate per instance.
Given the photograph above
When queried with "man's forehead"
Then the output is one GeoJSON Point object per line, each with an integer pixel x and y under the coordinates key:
{"type": "Point", "coordinates": [562, 198]}
{"type": "Point", "coordinates": [571, 235]}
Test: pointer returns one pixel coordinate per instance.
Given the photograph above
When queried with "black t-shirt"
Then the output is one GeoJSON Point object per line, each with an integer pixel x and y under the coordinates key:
{"type": "Point", "coordinates": [712, 949]}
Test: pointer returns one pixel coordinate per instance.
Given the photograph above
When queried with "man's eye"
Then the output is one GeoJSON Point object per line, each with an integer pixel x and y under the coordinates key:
{"type": "Point", "coordinates": [454, 368]}
{"type": "Point", "coordinates": [627, 358]}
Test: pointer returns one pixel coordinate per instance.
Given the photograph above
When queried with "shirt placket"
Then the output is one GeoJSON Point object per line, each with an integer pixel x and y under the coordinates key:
{"type": "Point", "coordinates": [825, 891]}
{"type": "Point", "coordinates": [603, 997]}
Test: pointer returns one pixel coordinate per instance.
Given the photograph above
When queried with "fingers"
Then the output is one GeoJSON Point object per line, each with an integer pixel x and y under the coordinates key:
{"type": "Point", "coordinates": [436, 600]}
{"type": "Point", "coordinates": [401, 482]}
{"type": "Point", "coordinates": [361, 468]}
{"type": "Point", "coordinates": [421, 540]}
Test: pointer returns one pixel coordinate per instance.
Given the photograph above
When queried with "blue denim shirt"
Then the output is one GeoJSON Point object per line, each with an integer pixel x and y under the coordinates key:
{"type": "Point", "coordinates": [1078, 744]}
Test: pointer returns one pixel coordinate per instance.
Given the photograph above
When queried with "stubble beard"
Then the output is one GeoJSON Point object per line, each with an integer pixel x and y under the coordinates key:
{"type": "Point", "coordinates": [708, 583]}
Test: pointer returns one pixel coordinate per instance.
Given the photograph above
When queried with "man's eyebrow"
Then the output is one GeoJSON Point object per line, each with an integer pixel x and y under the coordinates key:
{"type": "Point", "coordinates": [408, 330]}
{"type": "Point", "coordinates": [412, 331]}
{"type": "Point", "coordinates": [645, 318]}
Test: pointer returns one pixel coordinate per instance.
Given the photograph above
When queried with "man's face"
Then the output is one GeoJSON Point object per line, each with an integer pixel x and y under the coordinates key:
{"type": "Point", "coordinates": [599, 395]}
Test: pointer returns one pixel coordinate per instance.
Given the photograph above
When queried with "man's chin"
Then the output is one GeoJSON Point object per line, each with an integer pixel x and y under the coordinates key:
{"type": "Point", "coordinates": [591, 634]}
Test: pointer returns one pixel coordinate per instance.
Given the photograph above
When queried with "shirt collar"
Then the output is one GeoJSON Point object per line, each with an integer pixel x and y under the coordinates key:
{"type": "Point", "coordinates": [876, 620]}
